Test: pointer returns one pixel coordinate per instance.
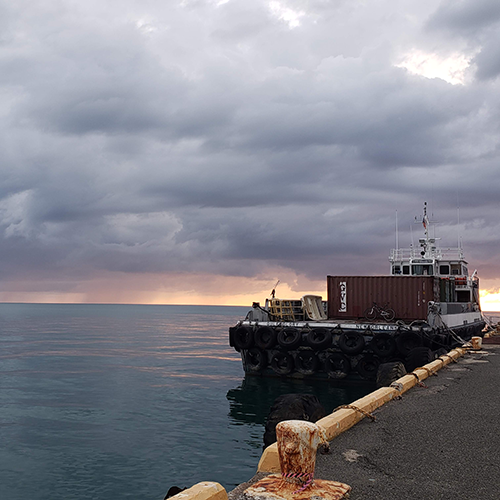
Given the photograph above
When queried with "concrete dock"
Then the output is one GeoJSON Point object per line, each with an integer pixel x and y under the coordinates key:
{"type": "Point", "coordinates": [440, 440]}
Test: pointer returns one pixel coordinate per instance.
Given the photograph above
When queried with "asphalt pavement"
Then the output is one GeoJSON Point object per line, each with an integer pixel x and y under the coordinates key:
{"type": "Point", "coordinates": [439, 441]}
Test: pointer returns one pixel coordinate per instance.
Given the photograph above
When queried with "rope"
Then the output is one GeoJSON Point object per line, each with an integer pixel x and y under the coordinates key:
{"type": "Point", "coordinates": [428, 370]}
{"type": "Point", "coordinates": [397, 385]}
{"type": "Point", "coordinates": [455, 336]}
{"type": "Point", "coordinates": [309, 477]}
{"type": "Point", "coordinates": [352, 407]}
{"type": "Point", "coordinates": [419, 383]}
{"type": "Point", "coordinates": [448, 356]}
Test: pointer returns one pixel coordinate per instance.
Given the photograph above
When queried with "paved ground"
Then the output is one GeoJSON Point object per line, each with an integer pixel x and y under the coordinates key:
{"type": "Point", "coordinates": [440, 442]}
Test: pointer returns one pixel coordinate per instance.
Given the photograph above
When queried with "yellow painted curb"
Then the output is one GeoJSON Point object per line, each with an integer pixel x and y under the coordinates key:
{"type": "Point", "coordinates": [203, 491]}
{"type": "Point", "coordinates": [269, 461]}
{"type": "Point", "coordinates": [343, 419]}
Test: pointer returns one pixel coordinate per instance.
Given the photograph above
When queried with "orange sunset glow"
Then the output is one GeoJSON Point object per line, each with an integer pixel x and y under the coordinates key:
{"type": "Point", "coordinates": [490, 301]}
{"type": "Point", "coordinates": [130, 288]}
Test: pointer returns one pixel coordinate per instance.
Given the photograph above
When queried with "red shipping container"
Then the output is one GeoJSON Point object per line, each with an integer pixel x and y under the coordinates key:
{"type": "Point", "coordinates": [350, 296]}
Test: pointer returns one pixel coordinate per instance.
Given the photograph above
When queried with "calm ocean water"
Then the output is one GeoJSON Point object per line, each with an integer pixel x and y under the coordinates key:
{"type": "Point", "coordinates": [124, 401]}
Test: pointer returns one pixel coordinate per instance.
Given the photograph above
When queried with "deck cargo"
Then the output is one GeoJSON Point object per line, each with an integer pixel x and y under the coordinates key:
{"type": "Point", "coordinates": [350, 296]}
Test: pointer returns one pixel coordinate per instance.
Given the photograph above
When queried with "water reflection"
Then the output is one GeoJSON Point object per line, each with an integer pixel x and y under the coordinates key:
{"type": "Point", "coordinates": [249, 403]}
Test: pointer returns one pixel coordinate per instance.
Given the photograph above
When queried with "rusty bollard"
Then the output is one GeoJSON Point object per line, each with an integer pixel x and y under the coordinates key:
{"type": "Point", "coordinates": [477, 343]}
{"type": "Point", "coordinates": [298, 442]}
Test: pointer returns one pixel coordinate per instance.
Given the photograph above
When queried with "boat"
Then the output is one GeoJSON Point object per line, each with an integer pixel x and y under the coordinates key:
{"type": "Point", "coordinates": [369, 325]}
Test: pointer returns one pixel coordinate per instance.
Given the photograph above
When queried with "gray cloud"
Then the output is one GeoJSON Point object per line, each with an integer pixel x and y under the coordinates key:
{"type": "Point", "coordinates": [208, 137]}
{"type": "Point", "coordinates": [465, 16]}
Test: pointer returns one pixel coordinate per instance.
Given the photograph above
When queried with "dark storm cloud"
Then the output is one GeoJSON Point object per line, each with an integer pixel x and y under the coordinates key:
{"type": "Point", "coordinates": [240, 137]}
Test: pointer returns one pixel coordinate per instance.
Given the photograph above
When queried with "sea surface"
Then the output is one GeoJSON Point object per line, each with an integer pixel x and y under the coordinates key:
{"type": "Point", "coordinates": [124, 401]}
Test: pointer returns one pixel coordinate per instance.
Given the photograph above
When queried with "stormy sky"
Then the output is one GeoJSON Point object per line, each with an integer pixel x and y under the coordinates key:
{"type": "Point", "coordinates": [197, 151]}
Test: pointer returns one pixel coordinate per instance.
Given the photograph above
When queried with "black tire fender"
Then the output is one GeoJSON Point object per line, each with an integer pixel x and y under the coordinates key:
{"type": "Point", "coordinates": [337, 365]}
{"type": "Point", "coordinates": [352, 342]}
{"type": "Point", "coordinates": [282, 362]}
{"type": "Point", "coordinates": [256, 360]}
{"type": "Point", "coordinates": [319, 339]}
{"type": "Point", "coordinates": [367, 366]}
{"type": "Point", "coordinates": [289, 338]}
{"type": "Point", "coordinates": [417, 357]}
{"type": "Point", "coordinates": [243, 337]}
{"type": "Point", "coordinates": [265, 337]}
{"type": "Point", "coordinates": [383, 345]}
{"type": "Point", "coordinates": [306, 362]}
{"type": "Point", "coordinates": [388, 373]}
{"type": "Point", "coordinates": [408, 340]}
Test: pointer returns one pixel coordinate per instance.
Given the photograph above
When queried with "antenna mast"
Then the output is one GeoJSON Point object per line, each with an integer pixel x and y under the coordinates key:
{"type": "Point", "coordinates": [397, 236]}
{"type": "Point", "coordinates": [425, 222]}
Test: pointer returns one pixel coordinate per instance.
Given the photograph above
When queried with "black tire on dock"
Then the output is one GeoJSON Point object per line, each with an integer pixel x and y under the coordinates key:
{"type": "Point", "coordinates": [243, 337]}
{"type": "Point", "coordinates": [306, 362]}
{"type": "Point", "coordinates": [367, 366]}
{"type": "Point", "coordinates": [319, 339]}
{"type": "Point", "coordinates": [417, 357]}
{"type": "Point", "coordinates": [337, 365]}
{"type": "Point", "coordinates": [256, 360]}
{"type": "Point", "coordinates": [265, 337]}
{"type": "Point", "coordinates": [383, 345]}
{"type": "Point", "coordinates": [406, 341]}
{"type": "Point", "coordinates": [388, 373]}
{"type": "Point", "coordinates": [282, 362]}
{"type": "Point", "coordinates": [289, 338]}
{"type": "Point", "coordinates": [352, 342]}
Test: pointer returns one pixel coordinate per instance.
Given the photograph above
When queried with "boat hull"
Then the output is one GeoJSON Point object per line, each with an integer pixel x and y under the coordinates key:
{"type": "Point", "coordinates": [338, 350]}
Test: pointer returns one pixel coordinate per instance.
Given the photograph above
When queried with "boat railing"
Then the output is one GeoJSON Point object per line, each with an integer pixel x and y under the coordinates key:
{"type": "Point", "coordinates": [401, 254]}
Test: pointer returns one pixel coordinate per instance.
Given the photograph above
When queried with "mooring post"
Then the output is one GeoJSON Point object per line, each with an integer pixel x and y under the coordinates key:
{"type": "Point", "coordinates": [298, 443]}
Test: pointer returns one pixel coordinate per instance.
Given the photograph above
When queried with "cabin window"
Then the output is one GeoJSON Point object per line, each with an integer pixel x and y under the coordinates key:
{"type": "Point", "coordinates": [422, 270]}
{"type": "Point", "coordinates": [406, 269]}
{"type": "Point", "coordinates": [396, 269]}
{"type": "Point", "coordinates": [463, 296]}
{"type": "Point", "coordinates": [444, 269]}
{"type": "Point", "coordinates": [455, 269]}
